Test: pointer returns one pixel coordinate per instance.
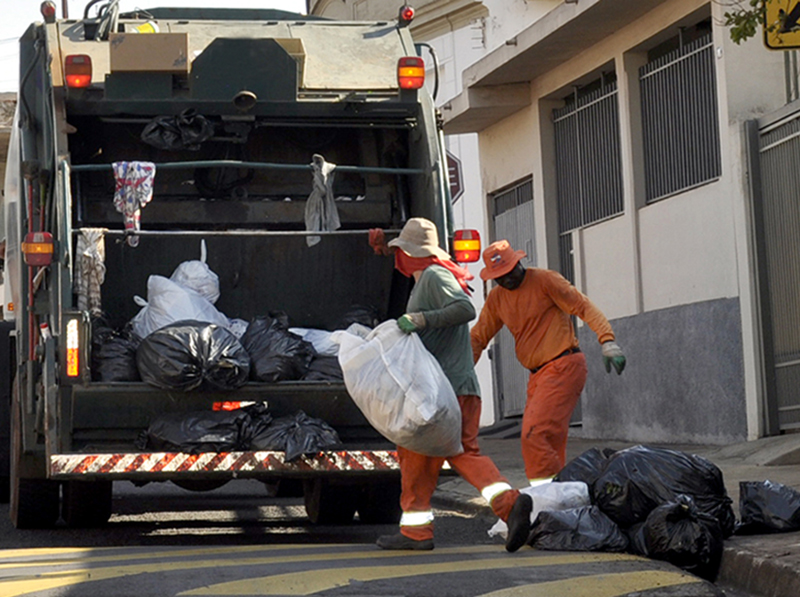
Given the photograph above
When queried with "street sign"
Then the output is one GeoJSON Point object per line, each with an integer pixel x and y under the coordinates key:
{"type": "Point", "coordinates": [782, 17]}
{"type": "Point", "coordinates": [456, 176]}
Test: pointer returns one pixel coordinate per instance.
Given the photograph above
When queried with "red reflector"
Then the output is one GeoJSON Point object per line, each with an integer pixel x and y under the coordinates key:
{"type": "Point", "coordinates": [467, 246]}
{"type": "Point", "coordinates": [78, 70]}
{"type": "Point", "coordinates": [411, 72]}
{"type": "Point", "coordinates": [228, 405]}
{"type": "Point", "coordinates": [38, 248]}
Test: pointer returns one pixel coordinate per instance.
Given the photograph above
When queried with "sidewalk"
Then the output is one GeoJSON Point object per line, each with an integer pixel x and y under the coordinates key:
{"type": "Point", "coordinates": [767, 565]}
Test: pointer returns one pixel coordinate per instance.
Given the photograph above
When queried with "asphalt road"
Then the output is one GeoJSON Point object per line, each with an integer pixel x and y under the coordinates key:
{"type": "Point", "coordinates": [236, 540]}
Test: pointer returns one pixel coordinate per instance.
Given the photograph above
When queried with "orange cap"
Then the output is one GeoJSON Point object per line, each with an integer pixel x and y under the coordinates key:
{"type": "Point", "coordinates": [500, 259]}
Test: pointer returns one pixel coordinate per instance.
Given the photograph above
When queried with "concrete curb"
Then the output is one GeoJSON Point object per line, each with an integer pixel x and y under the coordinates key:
{"type": "Point", "coordinates": [747, 567]}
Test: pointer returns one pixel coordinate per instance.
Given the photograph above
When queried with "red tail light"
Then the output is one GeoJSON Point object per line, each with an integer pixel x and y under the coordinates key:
{"type": "Point", "coordinates": [411, 72]}
{"type": "Point", "coordinates": [48, 10]}
{"type": "Point", "coordinates": [73, 348]}
{"type": "Point", "coordinates": [406, 15]}
{"type": "Point", "coordinates": [38, 248]}
{"type": "Point", "coordinates": [467, 246]}
{"type": "Point", "coordinates": [78, 70]}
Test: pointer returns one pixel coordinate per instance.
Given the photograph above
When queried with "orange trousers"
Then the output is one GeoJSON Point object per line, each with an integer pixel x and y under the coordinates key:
{"type": "Point", "coordinates": [553, 392]}
{"type": "Point", "coordinates": [420, 473]}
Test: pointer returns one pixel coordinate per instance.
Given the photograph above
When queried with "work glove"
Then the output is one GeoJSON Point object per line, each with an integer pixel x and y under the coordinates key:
{"type": "Point", "coordinates": [612, 355]}
{"type": "Point", "coordinates": [377, 240]}
{"type": "Point", "coordinates": [411, 322]}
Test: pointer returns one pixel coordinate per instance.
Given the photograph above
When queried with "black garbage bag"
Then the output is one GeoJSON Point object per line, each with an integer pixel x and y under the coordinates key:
{"type": "Point", "coordinates": [637, 480]}
{"type": "Point", "coordinates": [186, 130]}
{"type": "Point", "coordinates": [363, 314]}
{"type": "Point", "coordinates": [259, 420]}
{"type": "Point", "coordinates": [768, 507]}
{"type": "Point", "coordinates": [324, 368]}
{"type": "Point", "coordinates": [678, 533]}
{"type": "Point", "coordinates": [585, 467]}
{"type": "Point", "coordinates": [189, 354]}
{"type": "Point", "coordinates": [276, 354]}
{"type": "Point", "coordinates": [196, 432]}
{"type": "Point", "coordinates": [114, 354]}
{"type": "Point", "coordinates": [296, 435]}
{"type": "Point", "coordinates": [576, 529]}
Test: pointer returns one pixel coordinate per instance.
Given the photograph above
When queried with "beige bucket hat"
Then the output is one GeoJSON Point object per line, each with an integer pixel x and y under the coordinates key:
{"type": "Point", "coordinates": [419, 238]}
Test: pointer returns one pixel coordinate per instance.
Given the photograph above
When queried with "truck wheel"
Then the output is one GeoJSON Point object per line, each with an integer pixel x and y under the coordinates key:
{"type": "Point", "coordinates": [379, 503]}
{"type": "Point", "coordinates": [34, 503]}
{"type": "Point", "coordinates": [86, 503]}
{"type": "Point", "coordinates": [327, 503]}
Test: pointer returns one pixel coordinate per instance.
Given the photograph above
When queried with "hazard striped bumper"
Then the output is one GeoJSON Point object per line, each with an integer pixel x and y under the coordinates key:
{"type": "Point", "coordinates": [166, 465]}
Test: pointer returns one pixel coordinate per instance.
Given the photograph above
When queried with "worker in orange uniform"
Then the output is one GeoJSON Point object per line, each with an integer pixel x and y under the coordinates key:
{"type": "Point", "coordinates": [439, 310]}
{"type": "Point", "coordinates": [535, 305]}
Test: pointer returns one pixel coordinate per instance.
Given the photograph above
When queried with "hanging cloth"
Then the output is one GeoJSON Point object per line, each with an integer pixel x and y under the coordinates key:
{"type": "Point", "coordinates": [90, 269]}
{"type": "Point", "coordinates": [321, 212]}
{"type": "Point", "coordinates": [134, 190]}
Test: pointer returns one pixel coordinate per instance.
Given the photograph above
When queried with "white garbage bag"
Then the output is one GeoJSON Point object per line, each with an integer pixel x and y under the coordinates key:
{"type": "Point", "coordinates": [168, 302]}
{"type": "Point", "coordinates": [197, 276]}
{"type": "Point", "coordinates": [401, 389]}
{"type": "Point", "coordinates": [549, 497]}
{"type": "Point", "coordinates": [320, 340]}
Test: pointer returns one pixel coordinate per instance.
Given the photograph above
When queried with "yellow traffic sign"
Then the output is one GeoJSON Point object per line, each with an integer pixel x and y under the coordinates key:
{"type": "Point", "coordinates": [782, 24]}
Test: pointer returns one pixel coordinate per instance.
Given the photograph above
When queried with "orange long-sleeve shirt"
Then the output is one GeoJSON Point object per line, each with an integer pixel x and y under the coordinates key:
{"type": "Point", "coordinates": [538, 315]}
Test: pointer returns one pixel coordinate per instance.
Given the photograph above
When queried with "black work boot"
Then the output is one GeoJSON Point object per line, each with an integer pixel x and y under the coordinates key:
{"type": "Point", "coordinates": [519, 522]}
{"type": "Point", "coordinates": [400, 541]}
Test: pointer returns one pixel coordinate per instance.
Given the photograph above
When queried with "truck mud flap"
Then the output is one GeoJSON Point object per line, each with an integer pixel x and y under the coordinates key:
{"type": "Point", "coordinates": [154, 466]}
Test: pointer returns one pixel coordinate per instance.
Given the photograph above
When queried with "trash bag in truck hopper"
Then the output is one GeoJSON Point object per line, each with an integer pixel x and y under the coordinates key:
{"type": "Point", "coordinates": [401, 389]}
{"type": "Point", "coordinates": [167, 303]}
{"type": "Point", "coordinates": [198, 431]}
{"type": "Point", "coordinates": [276, 354]}
{"type": "Point", "coordinates": [190, 354]}
{"type": "Point", "coordinates": [114, 353]}
{"type": "Point", "coordinates": [187, 130]}
{"type": "Point", "coordinates": [196, 275]}
{"type": "Point", "coordinates": [296, 435]}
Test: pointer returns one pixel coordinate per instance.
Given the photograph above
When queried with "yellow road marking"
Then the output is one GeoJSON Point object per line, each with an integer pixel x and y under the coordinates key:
{"type": "Point", "coordinates": [127, 557]}
{"type": "Point", "coordinates": [616, 584]}
{"type": "Point", "coordinates": [22, 585]}
{"type": "Point", "coordinates": [309, 582]}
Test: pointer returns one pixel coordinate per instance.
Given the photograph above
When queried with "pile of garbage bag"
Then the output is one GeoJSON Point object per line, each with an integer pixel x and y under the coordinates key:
{"type": "Point", "coordinates": [655, 502]}
{"type": "Point", "coordinates": [249, 428]}
{"type": "Point", "coordinates": [180, 341]}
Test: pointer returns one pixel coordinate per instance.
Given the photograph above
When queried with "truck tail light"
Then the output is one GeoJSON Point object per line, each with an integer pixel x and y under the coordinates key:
{"type": "Point", "coordinates": [467, 246]}
{"type": "Point", "coordinates": [38, 248]}
{"type": "Point", "coordinates": [411, 72]}
{"type": "Point", "coordinates": [406, 15]}
{"type": "Point", "coordinates": [78, 71]}
{"type": "Point", "coordinates": [73, 368]}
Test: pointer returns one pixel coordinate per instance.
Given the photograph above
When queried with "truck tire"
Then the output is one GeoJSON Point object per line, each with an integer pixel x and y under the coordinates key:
{"type": "Point", "coordinates": [34, 503]}
{"type": "Point", "coordinates": [86, 503]}
{"type": "Point", "coordinates": [328, 503]}
{"type": "Point", "coordinates": [379, 503]}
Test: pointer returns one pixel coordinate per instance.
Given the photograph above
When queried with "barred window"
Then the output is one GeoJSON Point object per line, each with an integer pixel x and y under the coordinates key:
{"type": "Point", "coordinates": [680, 124]}
{"type": "Point", "coordinates": [588, 162]}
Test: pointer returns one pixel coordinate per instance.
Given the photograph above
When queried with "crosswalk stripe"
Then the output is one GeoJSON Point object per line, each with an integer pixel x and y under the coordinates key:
{"type": "Point", "coordinates": [615, 584]}
{"type": "Point", "coordinates": [22, 585]}
{"type": "Point", "coordinates": [309, 582]}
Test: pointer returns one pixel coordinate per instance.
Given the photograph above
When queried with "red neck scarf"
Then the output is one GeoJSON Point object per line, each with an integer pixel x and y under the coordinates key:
{"type": "Point", "coordinates": [407, 265]}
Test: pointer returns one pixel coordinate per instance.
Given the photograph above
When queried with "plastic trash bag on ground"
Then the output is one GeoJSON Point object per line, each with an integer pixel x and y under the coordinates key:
{"type": "Point", "coordinates": [549, 497]}
{"type": "Point", "coordinates": [637, 480]}
{"type": "Point", "coordinates": [768, 507]}
{"type": "Point", "coordinates": [196, 432]}
{"type": "Point", "coordinates": [401, 389]}
{"type": "Point", "coordinates": [585, 467]}
{"type": "Point", "coordinates": [114, 354]}
{"type": "Point", "coordinates": [167, 303]}
{"type": "Point", "coordinates": [677, 532]}
{"type": "Point", "coordinates": [297, 434]}
{"type": "Point", "coordinates": [577, 529]}
{"type": "Point", "coordinates": [275, 353]}
{"type": "Point", "coordinates": [190, 354]}
{"type": "Point", "coordinates": [196, 275]}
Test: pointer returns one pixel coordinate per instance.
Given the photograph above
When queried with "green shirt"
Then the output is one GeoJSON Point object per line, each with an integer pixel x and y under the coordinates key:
{"type": "Point", "coordinates": [447, 310]}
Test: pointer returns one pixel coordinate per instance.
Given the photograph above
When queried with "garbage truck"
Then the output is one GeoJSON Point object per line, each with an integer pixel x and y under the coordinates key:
{"type": "Point", "coordinates": [236, 120]}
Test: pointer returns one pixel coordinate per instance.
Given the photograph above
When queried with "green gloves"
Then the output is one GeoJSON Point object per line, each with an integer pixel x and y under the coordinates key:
{"type": "Point", "coordinates": [612, 355]}
{"type": "Point", "coordinates": [411, 322]}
